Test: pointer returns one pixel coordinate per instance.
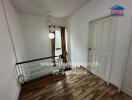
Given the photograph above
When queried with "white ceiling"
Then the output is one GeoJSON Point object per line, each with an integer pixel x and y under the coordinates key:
{"type": "Point", "coordinates": [59, 8]}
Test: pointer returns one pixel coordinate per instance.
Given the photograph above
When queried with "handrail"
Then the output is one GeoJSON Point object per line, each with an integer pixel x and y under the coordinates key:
{"type": "Point", "coordinates": [36, 60]}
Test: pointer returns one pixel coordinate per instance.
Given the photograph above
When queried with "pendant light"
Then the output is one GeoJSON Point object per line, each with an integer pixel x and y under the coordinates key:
{"type": "Point", "coordinates": [51, 27]}
{"type": "Point", "coordinates": [51, 36]}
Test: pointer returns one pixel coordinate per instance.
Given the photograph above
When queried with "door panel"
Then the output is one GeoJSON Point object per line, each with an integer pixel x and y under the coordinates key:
{"type": "Point", "coordinates": [94, 63]}
{"type": "Point", "coordinates": [101, 43]}
{"type": "Point", "coordinates": [102, 65]}
{"type": "Point", "coordinates": [96, 33]}
{"type": "Point", "coordinates": [105, 36]}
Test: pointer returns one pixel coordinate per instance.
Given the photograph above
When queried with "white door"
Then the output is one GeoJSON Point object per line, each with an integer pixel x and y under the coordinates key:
{"type": "Point", "coordinates": [101, 43]}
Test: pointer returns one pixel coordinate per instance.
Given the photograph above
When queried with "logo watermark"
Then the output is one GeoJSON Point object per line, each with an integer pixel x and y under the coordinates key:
{"type": "Point", "coordinates": [117, 10]}
{"type": "Point", "coordinates": [68, 65]}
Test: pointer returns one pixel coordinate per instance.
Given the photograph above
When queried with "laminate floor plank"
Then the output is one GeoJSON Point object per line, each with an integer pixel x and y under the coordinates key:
{"type": "Point", "coordinates": [71, 86]}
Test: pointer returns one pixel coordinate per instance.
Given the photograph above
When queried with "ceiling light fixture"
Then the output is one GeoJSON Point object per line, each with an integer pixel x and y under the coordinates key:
{"type": "Point", "coordinates": [50, 26]}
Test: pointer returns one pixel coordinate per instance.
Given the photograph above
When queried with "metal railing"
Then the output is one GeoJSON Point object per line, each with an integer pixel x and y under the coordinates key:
{"type": "Point", "coordinates": [32, 69]}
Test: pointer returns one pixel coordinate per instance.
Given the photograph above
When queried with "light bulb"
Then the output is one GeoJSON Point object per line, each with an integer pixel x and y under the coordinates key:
{"type": "Point", "coordinates": [51, 36]}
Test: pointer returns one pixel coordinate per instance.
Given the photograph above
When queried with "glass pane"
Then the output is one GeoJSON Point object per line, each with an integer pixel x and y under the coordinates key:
{"type": "Point", "coordinates": [58, 49]}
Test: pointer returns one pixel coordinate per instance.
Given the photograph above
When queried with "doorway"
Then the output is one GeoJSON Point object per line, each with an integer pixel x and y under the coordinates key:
{"type": "Point", "coordinates": [101, 44]}
{"type": "Point", "coordinates": [60, 43]}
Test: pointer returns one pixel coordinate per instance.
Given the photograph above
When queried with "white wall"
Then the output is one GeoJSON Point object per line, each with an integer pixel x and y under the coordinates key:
{"type": "Point", "coordinates": [9, 89]}
{"type": "Point", "coordinates": [35, 32]}
{"type": "Point", "coordinates": [16, 31]}
{"type": "Point", "coordinates": [78, 27]}
{"type": "Point", "coordinates": [127, 86]}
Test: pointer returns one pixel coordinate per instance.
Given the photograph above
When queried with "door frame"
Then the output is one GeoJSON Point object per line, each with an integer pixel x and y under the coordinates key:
{"type": "Point", "coordinates": [113, 47]}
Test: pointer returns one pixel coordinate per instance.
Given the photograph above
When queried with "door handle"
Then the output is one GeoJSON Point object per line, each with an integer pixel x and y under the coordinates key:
{"type": "Point", "coordinates": [89, 49]}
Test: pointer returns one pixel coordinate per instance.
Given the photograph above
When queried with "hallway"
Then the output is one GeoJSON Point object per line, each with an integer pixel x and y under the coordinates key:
{"type": "Point", "coordinates": [39, 38]}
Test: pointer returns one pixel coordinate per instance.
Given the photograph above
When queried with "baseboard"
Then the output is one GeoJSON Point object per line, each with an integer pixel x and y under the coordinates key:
{"type": "Point", "coordinates": [36, 79]}
{"type": "Point", "coordinates": [83, 67]}
{"type": "Point", "coordinates": [127, 92]}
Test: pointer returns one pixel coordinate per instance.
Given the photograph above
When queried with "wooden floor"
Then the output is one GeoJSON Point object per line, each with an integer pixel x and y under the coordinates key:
{"type": "Point", "coordinates": [71, 87]}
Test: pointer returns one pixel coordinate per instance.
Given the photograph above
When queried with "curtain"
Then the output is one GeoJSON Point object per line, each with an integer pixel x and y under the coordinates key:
{"type": "Point", "coordinates": [63, 43]}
